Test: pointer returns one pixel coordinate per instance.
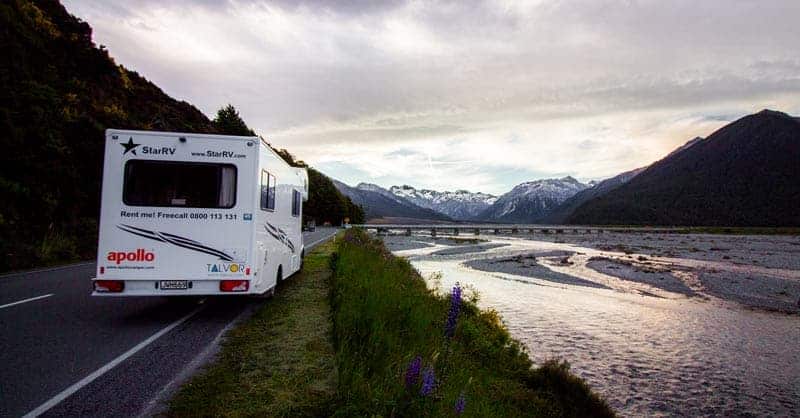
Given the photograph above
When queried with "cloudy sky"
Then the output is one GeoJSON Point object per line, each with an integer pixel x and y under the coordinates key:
{"type": "Point", "coordinates": [465, 95]}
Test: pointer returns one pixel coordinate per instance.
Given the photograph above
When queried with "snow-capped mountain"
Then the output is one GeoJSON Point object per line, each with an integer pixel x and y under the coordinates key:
{"type": "Point", "coordinates": [531, 201]}
{"type": "Point", "coordinates": [378, 202]}
{"type": "Point", "coordinates": [459, 205]}
{"type": "Point", "coordinates": [374, 188]}
{"type": "Point", "coordinates": [560, 214]}
{"type": "Point", "coordinates": [527, 203]}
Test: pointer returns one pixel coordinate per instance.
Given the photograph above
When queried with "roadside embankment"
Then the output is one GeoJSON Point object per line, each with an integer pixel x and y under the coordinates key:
{"type": "Point", "coordinates": [358, 333]}
{"type": "Point", "coordinates": [401, 351]}
{"type": "Point", "coordinates": [280, 362]}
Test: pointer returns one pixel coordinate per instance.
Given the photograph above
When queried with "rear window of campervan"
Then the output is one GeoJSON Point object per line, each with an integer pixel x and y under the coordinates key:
{"type": "Point", "coordinates": [179, 184]}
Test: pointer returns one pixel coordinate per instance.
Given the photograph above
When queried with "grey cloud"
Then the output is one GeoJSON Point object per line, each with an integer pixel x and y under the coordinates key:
{"type": "Point", "coordinates": [128, 8]}
{"type": "Point", "coordinates": [336, 7]}
{"type": "Point", "coordinates": [501, 60]}
{"type": "Point", "coordinates": [328, 72]}
{"type": "Point", "coordinates": [345, 7]}
{"type": "Point", "coordinates": [403, 153]}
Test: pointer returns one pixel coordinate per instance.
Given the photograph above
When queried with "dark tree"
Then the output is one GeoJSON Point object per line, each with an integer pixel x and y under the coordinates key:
{"type": "Point", "coordinates": [229, 122]}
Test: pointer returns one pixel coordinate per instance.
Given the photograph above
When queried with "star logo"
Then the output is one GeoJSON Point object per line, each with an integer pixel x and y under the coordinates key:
{"type": "Point", "coordinates": [129, 146]}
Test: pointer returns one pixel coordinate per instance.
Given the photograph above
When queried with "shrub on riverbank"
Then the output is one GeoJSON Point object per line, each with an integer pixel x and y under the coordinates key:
{"type": "Point", "coordinates": [384, 317]}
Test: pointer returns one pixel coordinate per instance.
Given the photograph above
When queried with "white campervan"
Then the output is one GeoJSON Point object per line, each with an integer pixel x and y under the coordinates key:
{"type": "Point", "coordinates": [190, 214]}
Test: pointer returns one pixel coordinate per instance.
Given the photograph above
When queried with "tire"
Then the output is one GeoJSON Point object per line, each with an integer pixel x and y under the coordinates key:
{"type": "Point", "coordinates": [280, 275]}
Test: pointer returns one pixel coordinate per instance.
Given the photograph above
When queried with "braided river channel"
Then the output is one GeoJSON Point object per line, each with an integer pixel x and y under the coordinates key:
{"type": "Point", "coordinates": [690, 325]}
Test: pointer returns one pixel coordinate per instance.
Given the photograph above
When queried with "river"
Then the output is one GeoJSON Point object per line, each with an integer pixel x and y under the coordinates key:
{"type": "Point", "coordinates": [646, 350]}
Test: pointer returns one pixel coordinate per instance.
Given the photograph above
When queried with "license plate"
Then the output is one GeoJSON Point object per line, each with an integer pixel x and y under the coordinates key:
{"type": "Point", "coordinates": [174, 284]}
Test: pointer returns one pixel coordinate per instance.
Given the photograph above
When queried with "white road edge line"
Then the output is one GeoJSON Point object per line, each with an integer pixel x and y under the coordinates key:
{"type": "Point", "coordinates": [46, 269]}
{"type": "Point", "coordinates": [155, 407]}
{"type": "Point", "coordinates": [55, 400]}
{"type": "Point", "coordinates": [8, 305]}
{"type": "Point", "coordinates": [310, 246]}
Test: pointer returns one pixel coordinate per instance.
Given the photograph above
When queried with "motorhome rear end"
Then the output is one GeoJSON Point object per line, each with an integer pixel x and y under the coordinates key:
{"type": "Point", "coordinates": [190, 214]}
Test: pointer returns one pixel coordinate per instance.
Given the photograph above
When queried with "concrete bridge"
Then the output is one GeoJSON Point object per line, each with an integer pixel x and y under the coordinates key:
{"type": "Point", "coordinates": [497, 229]}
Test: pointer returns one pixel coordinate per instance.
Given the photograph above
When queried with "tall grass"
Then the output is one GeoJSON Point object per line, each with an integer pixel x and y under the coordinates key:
{"type": "Point", "coordinates": [384, 316]}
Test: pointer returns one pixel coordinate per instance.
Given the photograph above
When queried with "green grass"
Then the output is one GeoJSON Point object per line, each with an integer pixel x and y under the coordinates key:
{"type": "Point", "coordinates": [384, 316]}
{"type": "Point", "coordinates": [337, 338]}
{"type": "Point", "coordinates": [280, 362]}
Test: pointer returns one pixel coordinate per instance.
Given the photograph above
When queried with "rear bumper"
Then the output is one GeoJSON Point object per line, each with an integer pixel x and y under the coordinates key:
{"type": "Point", "coordinates": [150, 288]}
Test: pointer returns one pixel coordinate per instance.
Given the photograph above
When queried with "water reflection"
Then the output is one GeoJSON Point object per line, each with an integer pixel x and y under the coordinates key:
{"type": "Point", "coordinates": [665, 355]}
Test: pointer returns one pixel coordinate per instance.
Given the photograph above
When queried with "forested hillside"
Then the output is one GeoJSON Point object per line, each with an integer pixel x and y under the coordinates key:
{"type": "Point", "coordinates": [58, 93]}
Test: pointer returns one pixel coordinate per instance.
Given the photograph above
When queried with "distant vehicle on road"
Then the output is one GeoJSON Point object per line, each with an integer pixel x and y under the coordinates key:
{"type": "Point", "coordinates": [190, 214]}
{"type": "Point", "coordinates": [311, 226]}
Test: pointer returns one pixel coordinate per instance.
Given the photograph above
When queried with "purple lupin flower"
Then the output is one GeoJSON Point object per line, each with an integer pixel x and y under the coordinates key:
{"type": "Point", "coordinates": [461, 403]}
{"type": "Point", "coordinates": [428, 381]}
{"type": "Point", "coordinates": [452, 314]}
{"type": "Point", "coordinates": [412, 372]}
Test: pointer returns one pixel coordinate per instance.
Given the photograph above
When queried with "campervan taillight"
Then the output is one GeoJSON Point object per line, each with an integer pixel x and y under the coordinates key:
{"type": "Point", "coordinates": [109, 286]}
{"type": "Point", "coordinates": [234, 285]}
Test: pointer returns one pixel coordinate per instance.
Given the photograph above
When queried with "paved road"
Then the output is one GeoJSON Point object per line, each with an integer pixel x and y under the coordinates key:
{"type": "Point", "coordinates": [55, 339]}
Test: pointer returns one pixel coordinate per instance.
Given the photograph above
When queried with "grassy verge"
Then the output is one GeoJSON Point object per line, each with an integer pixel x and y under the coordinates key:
{"type": "Point", "coordinates": [338, 338]}
{"type": "Point", "coordinates": [385, 317]}
{"type": "Point", "coordinates": [278, 363]}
